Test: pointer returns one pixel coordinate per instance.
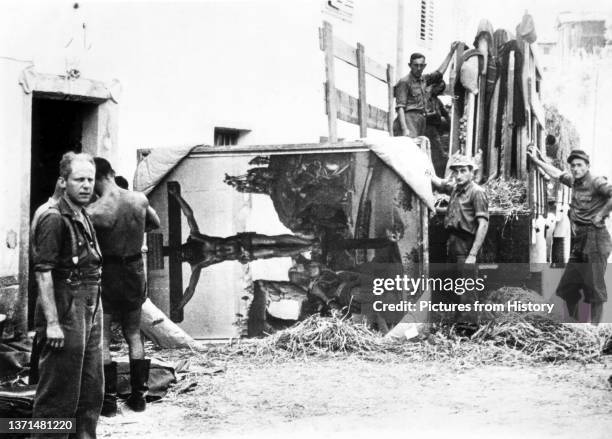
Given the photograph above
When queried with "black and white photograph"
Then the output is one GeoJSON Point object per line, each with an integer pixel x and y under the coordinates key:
{"type": "Point", "coordinates": [305, 218]}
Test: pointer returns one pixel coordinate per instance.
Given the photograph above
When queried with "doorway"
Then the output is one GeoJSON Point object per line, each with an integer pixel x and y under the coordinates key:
{"type": "Point", "coordinates": [58, 126]}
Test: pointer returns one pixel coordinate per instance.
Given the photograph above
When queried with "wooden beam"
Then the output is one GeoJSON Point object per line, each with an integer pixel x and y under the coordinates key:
{"type": "Point", "coordinates": [492, 147]}
{"type": "Point", "coordinates": [479, 141]}
{"type": "Point", "coordinates": [330, 84]}
{"type": "Point", "coordinates": [361, 84]}
{"type": "Point", "coordinates": [175, 270]}
{"type": "Point", "coordinates": [375, 69]}
{"type": "Point", "coordinates": [347, 53]}
{"type": "Point", "coordinates": [526, 133]}
{"type": "Point", "coordinates": [390, 97]}
{"type": "Point", "coordinates": [455, 71]}
{"type": "Point", "coordinates": [285, 148]}
{"type": "Point", "coordinates": [508, 125]}
{"type": "Point", "coordinates": [348, 111]}
{"type": "Point", "coordinates": [538, 110]}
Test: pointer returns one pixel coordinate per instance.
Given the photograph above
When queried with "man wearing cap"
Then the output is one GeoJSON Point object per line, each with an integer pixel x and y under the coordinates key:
{"type": "Point", "coordinates": [467, 217]}
{"type": "Point", "coordinates": [591, 245]}
{"type": "Point", "coordinates": [411, 95]}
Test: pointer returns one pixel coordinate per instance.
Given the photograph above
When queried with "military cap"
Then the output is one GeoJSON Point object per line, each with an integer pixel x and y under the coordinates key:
{"type": "Point", "coordinates": [578, 154]}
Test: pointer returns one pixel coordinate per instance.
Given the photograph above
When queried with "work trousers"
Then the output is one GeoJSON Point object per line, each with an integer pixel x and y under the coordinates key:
{"type": "Point", "coordinates": [415, 122]}
{"type": "Point", "coordinates": [586, 267]}
{"type": "Point", "coordinates": [458, 248]}
{"type": "Point", "coordinates": [71, 379]}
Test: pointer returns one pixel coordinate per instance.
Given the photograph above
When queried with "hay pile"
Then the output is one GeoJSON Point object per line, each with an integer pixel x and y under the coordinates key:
{"type": "Point", "coordinates": [507, 195]}
{"type": "Point", "coordinates": [509, 340]}
{"type": "Point", "coordinates": [545, 339]}
{"type": "Point", "coordinates": [317, 335]}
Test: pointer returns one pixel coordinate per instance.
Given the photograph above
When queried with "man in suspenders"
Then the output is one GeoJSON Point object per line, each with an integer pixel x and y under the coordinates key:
{"type": "Point", "coordinates": [68, 317]}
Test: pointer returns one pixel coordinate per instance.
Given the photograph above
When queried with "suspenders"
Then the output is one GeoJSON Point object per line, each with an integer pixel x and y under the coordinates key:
{"type": "Point", "coordinates": [74, 277]}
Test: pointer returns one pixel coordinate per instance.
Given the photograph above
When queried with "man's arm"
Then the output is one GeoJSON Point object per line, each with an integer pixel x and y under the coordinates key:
{"type": "Point", "coordinates": [46, 246]}
{"type": "Point", "coordinates": [481, 233]}
{"type": "Point", "coordinates": [446, 61]}
{"type": "Point", "coordinates": [550, 170]}
{"type": "Point", "coordinates": [190, 290]}
{"type": "Point", "coordinates": [401, 116]}
{"type": "Point", "coordinates": [401, 98]}
{"type": "Point", "coordinates": [54, 334]}
{"type": "Point", "coordinates": [440, 184]}
{"type": "Point", "coordinates": [605, 189]}
{"type": "Point", "coordinates": [187, 211]}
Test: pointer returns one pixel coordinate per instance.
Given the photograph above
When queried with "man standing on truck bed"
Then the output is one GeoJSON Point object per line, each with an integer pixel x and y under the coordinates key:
{"type": "Point", "coordinates": [412, 96]}
{"type": "Point", "coordinates": [121, 218]}
{"type": "Point", "coordinates": [591, 245]}
{"type": "Point", "coordinates": [467, 217]}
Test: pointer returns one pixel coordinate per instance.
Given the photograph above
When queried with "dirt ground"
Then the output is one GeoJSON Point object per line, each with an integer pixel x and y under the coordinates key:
{"type": "Point", "coordinates": [346, 396]}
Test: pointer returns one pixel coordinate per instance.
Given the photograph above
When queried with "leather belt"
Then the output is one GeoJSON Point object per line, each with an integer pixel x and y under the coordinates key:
{"type": "Point", "coordinates": [115, 259]}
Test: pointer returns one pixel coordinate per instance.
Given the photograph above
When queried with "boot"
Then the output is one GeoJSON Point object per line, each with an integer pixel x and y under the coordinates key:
{"type": "Point", "coordinates": [139, 375]}
{"type": "Point", "coordinates": [109, 406]}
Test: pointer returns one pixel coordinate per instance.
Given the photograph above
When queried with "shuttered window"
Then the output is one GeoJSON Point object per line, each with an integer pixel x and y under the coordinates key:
{"type": "Point", "coordinates": [426, 24]}
{"type": "Point", "coordinates": [342, 9]}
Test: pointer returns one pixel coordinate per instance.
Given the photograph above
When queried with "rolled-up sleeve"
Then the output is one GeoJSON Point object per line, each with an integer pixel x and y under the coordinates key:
{"type": "Point", "coordinates": [603, 187]}
{"type": "Point", "coordinates": [481, 204]}
{"type": "Point", "coordinates": [567, 179]}
{"type": "Point", "coordinates": [47, 242]}
{"type": "Point", "coordinates": [401, 94]}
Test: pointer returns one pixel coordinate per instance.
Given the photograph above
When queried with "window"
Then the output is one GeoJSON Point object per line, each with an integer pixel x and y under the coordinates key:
{"type": "Point", "coordinates": [228, 136]}
{"type": "Point", "coordinates": [426, 25]}
{"type": "Point", "coordinates": [342, 9]}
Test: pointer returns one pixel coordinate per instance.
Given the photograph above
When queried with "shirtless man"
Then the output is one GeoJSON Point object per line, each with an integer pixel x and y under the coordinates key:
{"type": "Point", "coordinates": [121, 218]}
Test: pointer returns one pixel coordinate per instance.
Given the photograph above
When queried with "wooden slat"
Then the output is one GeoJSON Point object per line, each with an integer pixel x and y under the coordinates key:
{"type": "Point", "coordinates": [347, 53]}
{"type": "Point", "coordinates": [348, 111]}
{"type": "Point", "coordinates": [508, 126]}
{"type": "Point", "coordinates": [538, 110]}
{"type": "Point", "coordinates": [391, 107]}
{"type": "Point", "coordinates": [175, 271]}
{"type": "Point", "coordinates": [283, 148]}
{"type": "Point", "coordinates": [330, 84]}
{"type": "Point", "coordinates": [479, 141]}
{"type": "Point", "coordinates": [492, 149]}
{"type": "Point", "coordinates": [361, 85]}
{"type": "Point", "coordinates": [456, 111]}
{"type": "Point", "coordinates": [375, 69]}
{"type": "Point", "coordinates": [344, 52]}
{"type": "Point", "coordinates": [526, 132]}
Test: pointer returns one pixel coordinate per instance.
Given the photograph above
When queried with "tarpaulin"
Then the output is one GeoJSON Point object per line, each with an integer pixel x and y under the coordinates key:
{"type": "Point", "coordinates": [409, 162]}
{"type": "Point", "coordinates": [156, 165]}
{"type": "Point", "coordinates": [401, 154]}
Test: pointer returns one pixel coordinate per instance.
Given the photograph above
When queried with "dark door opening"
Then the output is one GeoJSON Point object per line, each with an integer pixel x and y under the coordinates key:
{"type": "Point", "coordinates": [58, 126]}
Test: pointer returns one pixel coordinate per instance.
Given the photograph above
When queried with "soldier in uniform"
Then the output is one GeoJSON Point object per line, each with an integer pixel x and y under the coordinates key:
{"type": "Point", "coordinates": [68, 318]}
{"type": "Point", "coordinates": [591, 245]}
